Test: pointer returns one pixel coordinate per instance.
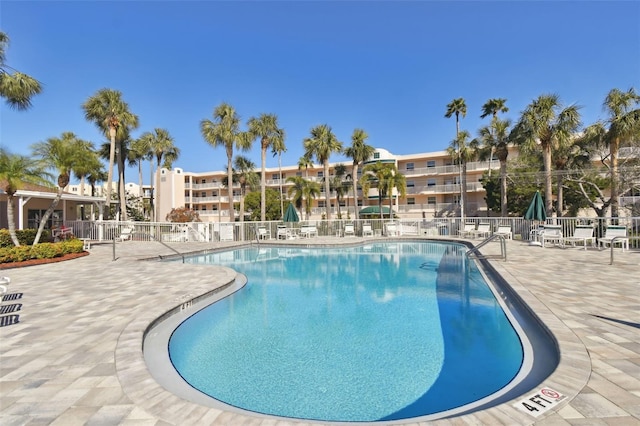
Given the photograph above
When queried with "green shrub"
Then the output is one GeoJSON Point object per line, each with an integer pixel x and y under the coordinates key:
{"type": "Point", "coordinates": [40, 251]}
{"type": "Point", "coordinates": [25, 237]}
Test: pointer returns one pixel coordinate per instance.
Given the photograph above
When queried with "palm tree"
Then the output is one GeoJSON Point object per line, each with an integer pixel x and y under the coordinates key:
{"type": "Point", "coordinates": [623, 126]}
{"type": "Point", "coordinates": [15, 171]}
{"type": "Point", "coordinates": [337, 184]}
{"type": "Point", "coordinates": [60, 154]}
{"type": "Point", "coordinates": [138, 152]}
{"type": "Point", "coordinates": [385, 178]}
{"type": "Point", "coordinates": [224, 130]}
{"type": "Point", "coordinates": [266, 128]}
{"type": "Point", "coordinates": [458, 107]}
{"type": "Point", "coordinates": [245, 175]}
{"type": "Point", "coordinates": [305, 162]}
{"type": "Point", "coordinates": [545, 124]}
{"type": "Point", "coordinates": [491, 108]}
{"type": "Point", "coordinates": [277, 148]}
{"type": "Point", "coordinates": [17, 88]}
{"type": "Point", "coordinates": [359, 152]}
{"type": "Point", "coordinates": [322, 144]}
{"type": "Point", "coordinates": [87, 163]}
{"type": "Point", "coordinates": [463, 151]}
{"type": "Point", "coordinates": [495, 137]}
{"type": "Point", "coordinates": [112, 116]}
{"type": "Point", "coordinates": [303, 192]}
{"type": "Point", "coordinates": [160, 146]}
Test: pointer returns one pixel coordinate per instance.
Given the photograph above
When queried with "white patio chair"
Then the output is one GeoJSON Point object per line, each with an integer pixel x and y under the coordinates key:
{"type": "Point", "coordinates": [263, 233]}
{"type": "Point", "coordinates": [483, 231]}
{"type": "Point", "coordinates": [582, 234]}
{"type": "Point", "coordinates": [612, 232]}
{"type": "Point", "coordinates": [366, 230]}
{"type": "Point", "coordinates": [552, 234]}
{"type": "Point", "coordinates": [468, 229]}
{"type": "Point", "coordinates": [348, 230]}
{"type": "Point", "coordinates": [505, 231]}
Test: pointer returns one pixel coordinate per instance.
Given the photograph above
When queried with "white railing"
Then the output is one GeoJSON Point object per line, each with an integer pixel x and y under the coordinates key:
{"type": "Point", "coordinates": [246, 231]}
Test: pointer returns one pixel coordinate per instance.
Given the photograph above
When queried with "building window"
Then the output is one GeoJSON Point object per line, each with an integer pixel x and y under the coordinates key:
{"type": "Point", "coordinates": [409, 166]}
{"type": "Point", "coordinates": [410, 184]}
{"type": "Point", "coordinates": [33, 219]}
{"type": "Point", "coordinates": [275, 176]}
{"type": "Point", "coordinates": [203, 194]}
{"type": "Point", "coordinates": [431, 182]}
{"type": "Point", "coordinates": [299, 174]}
{"type": "Point", "coordinates": [431, 200]}
{"type": "Point", "coordinates": [321, 204]}
{"type": "Point", "coordinates": [411, 201]}
{"type": "Point", "coordinates": [376, 155]}
{"type": "Point", "coordinates": [321, 174]}
{"type": "Point", "coordinates": [431, 163]}
{"type": "Point", "coordinates": [203, 181]}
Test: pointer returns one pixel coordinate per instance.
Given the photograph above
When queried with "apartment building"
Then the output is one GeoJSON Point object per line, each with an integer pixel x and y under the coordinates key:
{"type": "Point", "coordinates": [433, 188]}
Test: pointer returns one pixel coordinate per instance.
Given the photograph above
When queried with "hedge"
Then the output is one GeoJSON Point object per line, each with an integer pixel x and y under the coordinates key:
{"type": "Point", "coordinates": [25, 237]}
{"type": "Point", "coordinates": [40, 251]}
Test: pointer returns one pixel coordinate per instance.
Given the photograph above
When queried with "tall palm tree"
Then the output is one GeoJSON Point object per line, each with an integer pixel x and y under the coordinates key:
{"type": "Point", "coordinates": [303, 192]}
{"type": "Point", "coordinates": [322, 144]}
{"type": "Point", "coordinates": [224, 130]}
{"type": "Point", "coordinates": [15, 171]}
{"type": "Point", "coordinates": [88, 162]}
{"type": "Point", "coordinates": [359, 152]}
{"type": "Point", "coordinates": [160, 146]}
{"type": "Point", "coordinates": [16, 88]}
{"type": "Point", "coordinates": [111, 115]}
{"type": "Point", "coordinates": [545, 124]}
{"type": "Point", "coordinates": [491, 108]}
{"type": "Point", "coordinates": [277, 148]}
{"type": "Point", "coordinates": [60, 154]}
{"type": "Point", "coordinates": [458, 107]}
{"type": "Point", "coordinates": [266, 128]}
{"type": "Point", "coordinates": [623, 126]}
{"type": "Point", "coordinates": [305, 162]}
{"type": "Point", "coordinates": [462, 151]}
{"type": "Point", "coordinates": [138, 152]}
{"type": "Point", "coordinates": [495, 137]}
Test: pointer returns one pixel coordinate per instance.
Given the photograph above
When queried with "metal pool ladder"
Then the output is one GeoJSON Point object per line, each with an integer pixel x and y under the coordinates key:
{"type": "Point", "coordinates": [503, 247]}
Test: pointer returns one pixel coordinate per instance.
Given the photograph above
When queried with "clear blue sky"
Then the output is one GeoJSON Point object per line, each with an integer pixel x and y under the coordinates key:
{"type": "Point", "coordinates": [389, 67]}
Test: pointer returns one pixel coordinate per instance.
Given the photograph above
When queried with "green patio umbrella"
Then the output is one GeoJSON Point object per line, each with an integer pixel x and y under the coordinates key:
{"type": "Point", "coordinates": [290, 215]}
{"type": "Point", "coordinates": [536, 210]}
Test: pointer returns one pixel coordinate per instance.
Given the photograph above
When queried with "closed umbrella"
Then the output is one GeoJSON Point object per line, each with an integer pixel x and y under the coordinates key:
{"type": "Point", "coordinates": [536, 212]}
{"type": "Point", "coordinates": [290, 215]}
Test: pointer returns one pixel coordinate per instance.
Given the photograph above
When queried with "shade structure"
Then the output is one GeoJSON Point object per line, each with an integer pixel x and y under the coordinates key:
{"type": "Point", "coordinates": [374, 210]}
{"type": "Point", "coordinates": [536, 210]}
{"type": "Point", "coordinates": [290, 215]}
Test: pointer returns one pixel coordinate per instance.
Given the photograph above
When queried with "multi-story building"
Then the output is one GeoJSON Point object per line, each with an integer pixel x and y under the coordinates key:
{"type": "Point", "coordinates": [433, 188]}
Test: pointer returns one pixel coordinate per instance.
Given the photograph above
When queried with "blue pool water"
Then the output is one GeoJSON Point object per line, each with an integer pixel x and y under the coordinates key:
{"type": "Point", "coordinates": [387, 331]}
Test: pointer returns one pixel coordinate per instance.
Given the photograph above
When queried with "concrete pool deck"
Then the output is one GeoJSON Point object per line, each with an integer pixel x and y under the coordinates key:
{"type": "Point", "coordinates": [75, 356]}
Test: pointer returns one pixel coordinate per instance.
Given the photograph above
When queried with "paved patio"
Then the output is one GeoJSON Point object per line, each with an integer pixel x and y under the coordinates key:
{"type": "Point", "coordinates": [75, 356]}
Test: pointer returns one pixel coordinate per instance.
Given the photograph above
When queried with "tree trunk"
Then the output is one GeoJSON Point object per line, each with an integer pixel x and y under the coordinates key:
{"type": "Point", "coordinates": [613, 151]}
{"type": "Point", "coordinates": [112, 156]}
{"type": "Point", "coordinates": [157, 194]}
{"type": "Point", "coordinates": [548, 192]}
{"type": "Point", "coordinates": [47, 214]}
{"type": "Point", "coordinates": [503, 189]}
{"type": "Point", "coordinates": [327, 189]}
{"type": "Point", "coordinates": [355, 190]}
{"type": "Point", "coordinates": [263, 186]}
{"type": "Point", "coordinates": [230, 184]}
{"type": "Point", "coordinates": [11, 219]}
{"type": "Point", "coordinates": [560, 201]}
{"type": "Point", "coordinates": [465, 207]}
{"type": "Point", "coordinates": [121, 190]}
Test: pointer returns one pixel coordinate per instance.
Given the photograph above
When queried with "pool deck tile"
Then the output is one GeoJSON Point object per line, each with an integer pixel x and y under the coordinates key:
{"type": "Point", "coordinates": [75, 356]}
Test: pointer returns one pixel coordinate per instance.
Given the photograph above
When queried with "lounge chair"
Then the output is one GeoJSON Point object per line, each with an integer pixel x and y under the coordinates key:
{"type": "Point", "coordinates": [505, 231]}
{"type": "Point", "coordinates": [125, 234]}
{"type": "Point", "coordinates": [308, 231]}
{"type": "Point", "coordinates": [468, 229]}
{"type": "Point", "coordinates": [263, 233]}
{"type": "Point", "coordinates": [366, 230]}
{"type": "Point", "coordinates": [348, 230]}
{"type": "Point", "coordinates": [582, 234]}
{"type": "Point", "coordinates": [552, 234]}
{"type": "Point", "coordinates": [612, 232]}
{"type": "Point", "coordinates": [391, 229]}
{"type": "Point", "coordinates": [483, 231]}
{"type": "Point", "coordinates": [282, 232]}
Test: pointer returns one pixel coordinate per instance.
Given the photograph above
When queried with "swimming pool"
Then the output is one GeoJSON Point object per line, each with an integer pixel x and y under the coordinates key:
{"type": "Point", "coordinates": [385, 331]}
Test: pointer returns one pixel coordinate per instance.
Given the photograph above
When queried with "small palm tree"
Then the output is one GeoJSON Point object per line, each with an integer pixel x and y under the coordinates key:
{"type": "Point", "coordinates": [159, 144]}
{"type": "Point", "coordinates": [88, 162]}
{"type": "Point", "coordinates": [266, 128]}
{"type": "Point", "coordinates": [303, 192]}
{"type": "Point", "coordinates": [16, 171]}
{"type": "Point", "coordinates": [359, 152]}
{"type": "Point", "coordinates": [224, 130]}
{"type": "Point", "coordinates": [277, 148]}
{"type": "Point", "coordinates": [111, 115]}
{"type": "Point", "coordinates": [16, 88]}
{"type": "Point", "coordinates": [338, 186]}
{"type": "Point", "coordinates": [60, 154]}
{"type": "Point", "coordinates": [385, 178]}
{"type": "Point", "coordinates": [463, 151]}
{"type": "Point", "coordinates": [245, 175]}
{"type": "Point", "coordinates": [321, 145]}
